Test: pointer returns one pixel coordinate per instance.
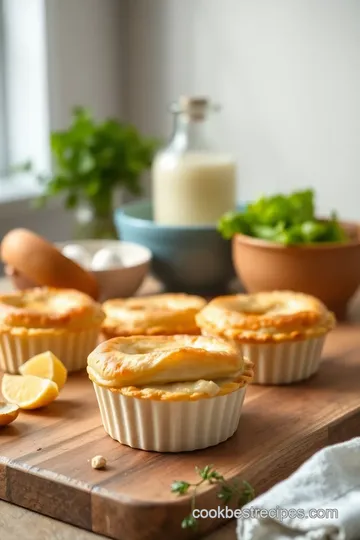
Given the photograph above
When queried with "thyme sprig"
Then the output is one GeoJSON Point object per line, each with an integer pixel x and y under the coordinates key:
{"type": "Point", "coordinates": [242, 492]}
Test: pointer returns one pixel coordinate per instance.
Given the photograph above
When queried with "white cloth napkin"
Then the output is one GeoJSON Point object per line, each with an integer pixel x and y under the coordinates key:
{"type": "Point", "coordinates": [330, 480]}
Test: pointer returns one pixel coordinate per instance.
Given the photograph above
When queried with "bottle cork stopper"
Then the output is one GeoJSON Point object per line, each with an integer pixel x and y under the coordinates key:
{"type": "Point", "coordinates": [195, 107]}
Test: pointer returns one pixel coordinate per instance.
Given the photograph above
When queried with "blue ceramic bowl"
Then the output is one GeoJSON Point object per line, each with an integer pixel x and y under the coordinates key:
{"type": "Point", "coordinates": [189, 259]}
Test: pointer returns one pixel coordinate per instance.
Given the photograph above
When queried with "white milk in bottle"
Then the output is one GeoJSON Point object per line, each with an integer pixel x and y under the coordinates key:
{"type": "Point", "coordinates": [193, 184]}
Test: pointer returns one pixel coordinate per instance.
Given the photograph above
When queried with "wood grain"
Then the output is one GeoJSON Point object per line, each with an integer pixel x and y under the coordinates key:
{"type": "Point", "coordinates": [45, 455]}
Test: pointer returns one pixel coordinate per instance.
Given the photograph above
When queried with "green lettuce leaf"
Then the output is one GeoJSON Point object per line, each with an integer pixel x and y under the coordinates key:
{"type": "Point", "coordinates": [285, 219]}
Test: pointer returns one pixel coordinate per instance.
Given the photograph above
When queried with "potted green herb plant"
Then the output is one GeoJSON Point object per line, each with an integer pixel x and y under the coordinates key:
{"type": "Point", "coordinates": [92, 162]}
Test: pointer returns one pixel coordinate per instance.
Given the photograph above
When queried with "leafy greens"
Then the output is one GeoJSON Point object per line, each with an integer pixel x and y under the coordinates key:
{"type": "Point", "coordinates": [285, 219]}
{"type": "Point", "coordinates": [92, 159]}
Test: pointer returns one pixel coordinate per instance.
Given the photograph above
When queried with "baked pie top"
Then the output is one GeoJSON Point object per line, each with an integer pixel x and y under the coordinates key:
{"type": "Point", "coordinates": [45, 307]}
{"type": "Point", "coordinates": [171, 368]}
{"type": "Point", "coordinates": [162, 314]}
{"type": "Point", "coordinates": [266, 317]}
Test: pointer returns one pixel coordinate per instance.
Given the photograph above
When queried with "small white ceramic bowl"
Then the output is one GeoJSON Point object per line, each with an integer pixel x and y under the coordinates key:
{"type": "Point", "coordinates": [119, 282]}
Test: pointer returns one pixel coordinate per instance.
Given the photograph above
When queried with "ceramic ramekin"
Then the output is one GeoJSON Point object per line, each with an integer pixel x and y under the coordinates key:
{"type": "Point", "coordinates": [169, 426]}
{"type": "Point", "coordinates": [17, 345]}
{"type": "Point", "coordinates": [286, 362]}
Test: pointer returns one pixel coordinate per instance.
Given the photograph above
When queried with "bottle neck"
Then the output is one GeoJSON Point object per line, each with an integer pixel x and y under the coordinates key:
{"type": "Point", "coordinates": [189, 133]}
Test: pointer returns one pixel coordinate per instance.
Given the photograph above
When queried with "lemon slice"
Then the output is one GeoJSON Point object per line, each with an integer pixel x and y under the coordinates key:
{"type": "Point", "coordinates": [47, 366]}
{"type": "Point", "coordinates": [8, 413]}
{"type": "Point", "coordinates": [28, 391]}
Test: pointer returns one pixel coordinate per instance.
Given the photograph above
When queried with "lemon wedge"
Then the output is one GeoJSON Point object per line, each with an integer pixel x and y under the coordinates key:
{"type": "Point", "coordinates": [8, 413]}
{"type": "Point", "coordinates": [28, 391]}
{"type": "Point", "coordinates": [47, 366]}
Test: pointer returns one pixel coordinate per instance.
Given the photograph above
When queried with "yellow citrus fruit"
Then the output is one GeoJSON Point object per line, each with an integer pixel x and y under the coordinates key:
{"type": "Point", "coordinates": [47, 366]}
{"type": "Point", "coordinates": [28, 391]}
{"type": "Point", "coordinates": [8, 413]}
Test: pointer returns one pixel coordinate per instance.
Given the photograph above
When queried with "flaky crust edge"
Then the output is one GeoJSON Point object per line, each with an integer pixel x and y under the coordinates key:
{"type": "Point", "coordinates": [110, 331]}
{"type": "Point", "coordinates": [181, 321]}
{"type": "Point", "coordinates": [160, 395]}
{"type": "Point", "coordinates": [254, 337]}
{"type": "Point", "coordinates": [88, 314]}
{"type": "Point", "coordinates": [312, 322]}
{"type": "Point", "coordinates": [108, 362]}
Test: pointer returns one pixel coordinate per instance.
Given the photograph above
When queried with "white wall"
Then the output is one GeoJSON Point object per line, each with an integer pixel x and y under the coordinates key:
{"type": "Point", "coordinates": [286, 72]}
{"type": "Point", "coordinates": [25, 76]}
{"type": "Point", "coordinates": [86, 63]}
{"type": "Point", "coordinates": [87, 40]}
{"type": "Point", "coordinates": [160, 60]}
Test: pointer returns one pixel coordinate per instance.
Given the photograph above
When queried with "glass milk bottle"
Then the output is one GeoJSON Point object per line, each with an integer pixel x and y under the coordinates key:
{"type": "Point", "coordinates": [192, 182]}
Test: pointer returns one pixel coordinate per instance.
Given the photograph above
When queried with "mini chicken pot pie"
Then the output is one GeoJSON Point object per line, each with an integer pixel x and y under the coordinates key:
{"type": "Point", "coordinates": [162, 314]}
{"type": "Point", "coordinates": [169, 393]}
{"type": "Point", "coordinates": [281, 332]}
{"type": "Point", "coordinates": [64, 321]}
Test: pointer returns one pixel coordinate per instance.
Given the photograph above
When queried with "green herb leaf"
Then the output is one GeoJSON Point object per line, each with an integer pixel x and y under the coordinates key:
{"type": "Point", "coordinates": [225, 494]}
{"type": "Point", "coordinates": [189, 522]}
{"type": "Point", "coordinates": [214, 476]}
{"type": "Point", "coordinates": [285, 219]}
{"type": "Point", "coordinates": [205, 472]}
{"type": "Point", "coordinates": [267, 232]}
{"type": "Point", "coordinates": [232, 223]}
{"type": "Point", "coordinates": [180, 487]}
{"type": "Point", "coordinates": [71, 200]}
{"type": "Point", "coordinates": [92, 159]}
{"type": "Point", "coordinates": [248, 492]}
{"type": "Point", "coordinates": [227, 491]}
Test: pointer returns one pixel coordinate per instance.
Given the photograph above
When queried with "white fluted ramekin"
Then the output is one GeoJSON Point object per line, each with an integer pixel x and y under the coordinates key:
{"type": "Point", "coordinates": [286, 362]}
{"type": "Point", "coordinates": [17, 345]}
{"type": "Point", "coordinates": [169, 426]}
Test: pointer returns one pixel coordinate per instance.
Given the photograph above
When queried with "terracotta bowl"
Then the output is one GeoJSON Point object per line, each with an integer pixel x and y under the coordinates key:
{"type": "Point", "coordinates": [331, 272]}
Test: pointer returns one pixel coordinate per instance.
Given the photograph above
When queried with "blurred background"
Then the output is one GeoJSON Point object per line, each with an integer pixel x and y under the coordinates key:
{"type": "Point", "coordinates": [287, 75]}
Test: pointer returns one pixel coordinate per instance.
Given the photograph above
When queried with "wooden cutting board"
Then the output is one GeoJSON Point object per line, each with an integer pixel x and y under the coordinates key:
{"type": "Point", "coordinates": [44, 455]}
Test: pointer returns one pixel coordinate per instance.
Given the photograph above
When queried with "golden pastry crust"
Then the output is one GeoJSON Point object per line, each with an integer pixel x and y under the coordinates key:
{"type": "Point", "coordinates": [162, 314]}
{"type": "Point", "coordinates": [267, 317]}
{"type": "Point", "coordinates": [193, 392]}
{"type": "Point", "coordinates": [49, 309]}
{"type": "Point", "coordinates": [150, 367]}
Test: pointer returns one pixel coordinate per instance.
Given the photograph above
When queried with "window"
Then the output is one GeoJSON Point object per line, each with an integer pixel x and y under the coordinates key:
{"type": "Point", "coordinates": [24, 111]}
{"type": "Point", "coordinates": [57, 54]}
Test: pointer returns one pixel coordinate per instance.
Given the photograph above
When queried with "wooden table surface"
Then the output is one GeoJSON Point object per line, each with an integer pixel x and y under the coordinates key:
{"type": "Point", "coordinates": [17, 523]}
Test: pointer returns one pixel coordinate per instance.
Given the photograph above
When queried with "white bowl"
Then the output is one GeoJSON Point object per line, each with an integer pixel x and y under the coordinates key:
{"type": "Point", "coordinates": [119, 282]}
